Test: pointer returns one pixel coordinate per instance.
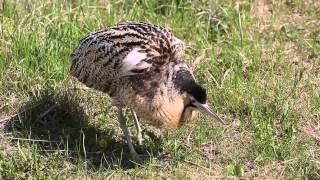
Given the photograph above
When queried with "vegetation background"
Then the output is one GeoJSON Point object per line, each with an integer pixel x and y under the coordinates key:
{"type": "Point", "coordinates": [258, 59]}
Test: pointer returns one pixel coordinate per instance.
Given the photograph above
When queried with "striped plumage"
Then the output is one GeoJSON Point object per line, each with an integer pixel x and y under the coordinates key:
{"type": "Point", "coordinates": [140, 66]}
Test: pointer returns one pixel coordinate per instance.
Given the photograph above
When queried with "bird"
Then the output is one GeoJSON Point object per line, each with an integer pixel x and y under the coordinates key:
{"type": "Point", "coordinates": [142, 67]}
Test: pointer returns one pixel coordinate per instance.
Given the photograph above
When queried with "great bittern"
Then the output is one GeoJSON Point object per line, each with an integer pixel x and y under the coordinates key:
{"type": "Point", "coordinates": [141, 66]}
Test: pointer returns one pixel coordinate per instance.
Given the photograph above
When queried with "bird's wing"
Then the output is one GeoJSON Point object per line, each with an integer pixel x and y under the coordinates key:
{"type": "Point", "coordinates": [155, 53]}
{"type": "Point", "coordinates": [128, 49]}
{"type": "Point", "coordinates": [135, 62]}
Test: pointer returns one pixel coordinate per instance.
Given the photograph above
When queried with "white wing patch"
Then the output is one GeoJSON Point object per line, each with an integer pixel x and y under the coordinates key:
{"type": "Point", "coordinates": [134, 61]}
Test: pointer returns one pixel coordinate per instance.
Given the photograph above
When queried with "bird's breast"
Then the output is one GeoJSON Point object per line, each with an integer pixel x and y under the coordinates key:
{"type": "Point", "coordinates": [154, 98]}
{"type": "Point", "coordinates": [161, 111]}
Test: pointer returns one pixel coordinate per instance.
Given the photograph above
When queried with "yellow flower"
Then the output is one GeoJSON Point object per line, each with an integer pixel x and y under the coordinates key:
{"type": "Point", "coordinates": [103, 142]}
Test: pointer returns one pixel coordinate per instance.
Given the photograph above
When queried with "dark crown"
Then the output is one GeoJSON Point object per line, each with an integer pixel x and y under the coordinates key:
{"type": "Point", "coordinates": [185, 82]}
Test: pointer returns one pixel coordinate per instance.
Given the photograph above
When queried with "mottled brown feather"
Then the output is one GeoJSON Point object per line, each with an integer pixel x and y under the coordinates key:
{"type": "Point", "coordinates": [97, 60]}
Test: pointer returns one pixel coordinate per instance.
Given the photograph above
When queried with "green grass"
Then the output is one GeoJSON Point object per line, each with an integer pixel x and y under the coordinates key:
{"type": "Point", "coordinates": [259, 61]}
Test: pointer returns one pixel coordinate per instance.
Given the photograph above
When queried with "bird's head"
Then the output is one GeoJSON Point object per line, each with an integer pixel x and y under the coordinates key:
{"type": "Point", "coordinates": [194, 96]}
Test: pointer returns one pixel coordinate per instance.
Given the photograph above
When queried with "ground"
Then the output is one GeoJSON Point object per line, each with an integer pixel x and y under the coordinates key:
{"type": "Point", "coordinates": [259, 61]}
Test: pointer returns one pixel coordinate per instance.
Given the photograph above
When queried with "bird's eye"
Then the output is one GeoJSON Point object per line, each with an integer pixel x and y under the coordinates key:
{"type": "Point", "coordinates": [191, 104]}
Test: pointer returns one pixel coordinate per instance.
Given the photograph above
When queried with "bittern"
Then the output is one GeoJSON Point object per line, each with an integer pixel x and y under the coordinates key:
{"type": "Point", "coordinates": [142, 67]}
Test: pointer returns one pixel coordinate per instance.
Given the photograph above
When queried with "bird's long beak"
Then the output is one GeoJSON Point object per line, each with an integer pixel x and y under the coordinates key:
{"type": "Point", "coordinates": [208, 110]}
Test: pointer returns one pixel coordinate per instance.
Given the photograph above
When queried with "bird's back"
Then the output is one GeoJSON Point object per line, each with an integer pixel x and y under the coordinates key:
{"type": "Point", "coordinates": [104, 58]}
{"type": "Point", "coordinates": [139, 65]}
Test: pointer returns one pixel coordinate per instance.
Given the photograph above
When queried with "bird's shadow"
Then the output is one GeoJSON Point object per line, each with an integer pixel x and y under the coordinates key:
{"type": "Point", "coordinates": [58, 123]}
